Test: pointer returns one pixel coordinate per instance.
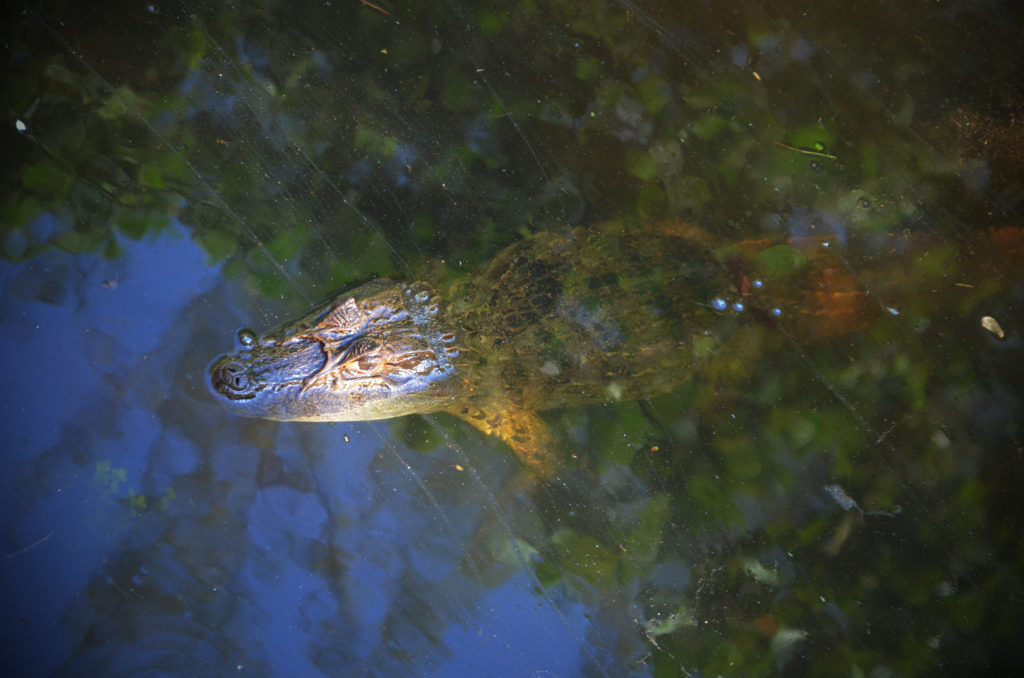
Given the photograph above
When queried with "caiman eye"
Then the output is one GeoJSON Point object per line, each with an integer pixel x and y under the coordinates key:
{"type": "Point", "coordinates": [369, 362]}
{"type": "Point", "coordinates": [246, 337]}
{"type": "Point", "coordinates": [363, 356]}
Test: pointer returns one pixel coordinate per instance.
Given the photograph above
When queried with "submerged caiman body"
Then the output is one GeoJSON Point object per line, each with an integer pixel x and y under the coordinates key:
{"type": "Point", "coordinates": [559, 319]}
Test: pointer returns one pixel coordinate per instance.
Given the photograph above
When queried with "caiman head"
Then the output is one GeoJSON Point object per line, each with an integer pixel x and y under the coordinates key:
{"type": "Point", "coordinates": [376, 352]}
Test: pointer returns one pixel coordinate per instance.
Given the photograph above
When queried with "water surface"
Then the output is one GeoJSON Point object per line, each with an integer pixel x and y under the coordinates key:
{"type": "Point", "coordinates": [840, 506]}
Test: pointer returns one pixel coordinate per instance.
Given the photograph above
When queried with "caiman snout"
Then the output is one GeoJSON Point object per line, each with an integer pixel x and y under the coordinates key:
{"type": "Point", "coordinates": [231, 381]}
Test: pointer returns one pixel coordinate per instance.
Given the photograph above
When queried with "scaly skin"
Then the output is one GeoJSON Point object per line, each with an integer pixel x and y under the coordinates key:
{"type": "Point", "coordinates": [556, 320]}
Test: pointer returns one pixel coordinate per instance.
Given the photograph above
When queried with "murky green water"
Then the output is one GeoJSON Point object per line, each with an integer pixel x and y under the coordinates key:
{"type": "Point", "coordinates": [844, 503]}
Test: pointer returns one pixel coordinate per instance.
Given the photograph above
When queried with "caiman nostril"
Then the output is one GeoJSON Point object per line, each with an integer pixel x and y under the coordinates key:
{"type": "Point", "coordinates": [231, 381]}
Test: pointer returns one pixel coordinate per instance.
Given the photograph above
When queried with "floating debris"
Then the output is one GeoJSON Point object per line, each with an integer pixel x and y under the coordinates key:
{"type": "Point", "coordinates": [992, 325]}
{"type": "Point", "coordinates": [896, 510]}
{"type": "Point", "coordinates": [760, 573]}
{"type": "Point", "coordinates": [844, 500]}
{"type": "Point", "coordinates": [550, 368]}
{"type": "Point", "coordinates": [817, 152]}
{"type": "Point", "coordinates": [849, 504]}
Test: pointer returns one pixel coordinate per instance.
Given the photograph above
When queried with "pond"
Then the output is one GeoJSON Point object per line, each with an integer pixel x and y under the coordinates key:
{"type": "Point", "coordinates": [830, 488]}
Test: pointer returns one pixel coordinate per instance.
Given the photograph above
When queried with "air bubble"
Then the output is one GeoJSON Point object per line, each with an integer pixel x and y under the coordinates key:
{"type": "Point", "coordinates": [739, 307]}
{"type": "Point", "coordinates": [719, 304]}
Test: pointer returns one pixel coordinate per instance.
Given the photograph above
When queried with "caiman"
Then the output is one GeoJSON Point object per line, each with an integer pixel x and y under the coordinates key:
{"type": "Point", "coordinates": [558, 319]}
